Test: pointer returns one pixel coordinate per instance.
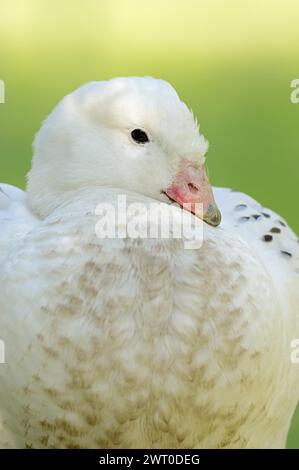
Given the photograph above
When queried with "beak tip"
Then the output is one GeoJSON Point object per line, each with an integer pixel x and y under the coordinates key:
{"type": "Point", "coordinates": [212, 216]}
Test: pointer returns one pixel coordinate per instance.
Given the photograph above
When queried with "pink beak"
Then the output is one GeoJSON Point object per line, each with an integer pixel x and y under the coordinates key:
{"type": "Point", "coordinates": [193, 191]}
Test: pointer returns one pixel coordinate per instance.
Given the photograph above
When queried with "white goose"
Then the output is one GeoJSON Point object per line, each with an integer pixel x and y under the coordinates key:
{"type": "Point", "coordinates": [140, 342]}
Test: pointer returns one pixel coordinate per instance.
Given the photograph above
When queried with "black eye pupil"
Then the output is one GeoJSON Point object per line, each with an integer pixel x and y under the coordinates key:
{"type": "Point", "coordinates": [139, 136]}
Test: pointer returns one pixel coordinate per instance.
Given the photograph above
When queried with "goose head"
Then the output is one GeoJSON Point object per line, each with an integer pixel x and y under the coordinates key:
{"type": "Point", "coordinates": [129, 133]}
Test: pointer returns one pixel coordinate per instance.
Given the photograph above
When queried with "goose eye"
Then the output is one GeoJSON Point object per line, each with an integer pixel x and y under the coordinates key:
{"type": "Point", "coordinates": [139, 136]}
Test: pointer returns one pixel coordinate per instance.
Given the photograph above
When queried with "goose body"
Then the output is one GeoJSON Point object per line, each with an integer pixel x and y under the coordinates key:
{"type": "Point", "coordinates": [132, 342]}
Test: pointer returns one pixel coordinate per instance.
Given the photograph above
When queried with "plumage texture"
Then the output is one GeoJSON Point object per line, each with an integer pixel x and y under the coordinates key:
{"type": "Point", "coordinates": [140, 342]}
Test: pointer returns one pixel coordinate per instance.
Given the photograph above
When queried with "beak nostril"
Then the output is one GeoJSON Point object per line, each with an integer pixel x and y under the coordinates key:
{"type": "Point", "coordinates": [192, 188]}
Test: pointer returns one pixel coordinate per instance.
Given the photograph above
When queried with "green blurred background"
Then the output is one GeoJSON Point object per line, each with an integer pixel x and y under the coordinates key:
{"type": "Point", "coordinates": [232, 61]}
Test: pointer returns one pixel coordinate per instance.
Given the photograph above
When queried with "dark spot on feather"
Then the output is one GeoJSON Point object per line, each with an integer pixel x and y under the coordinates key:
{"type": "Point", "coordinates": [286, 253]}
{"type": "Point", "coordinates": [3, 192]}
{"type": "Point", "coordinates": [282, 223]}
{"type": "Point", "coordinates": [256, 216]}
{"type": "Point", "coordinates": [267, 238]}
{"type": "Point", "coordinates": [266, 215]}
{"type": "Point", "coordinates": [275, 230]}
{"type": "Point", "coordinates": [240, 207]}
{"type": "Point", "coordinates": [243, 219]}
